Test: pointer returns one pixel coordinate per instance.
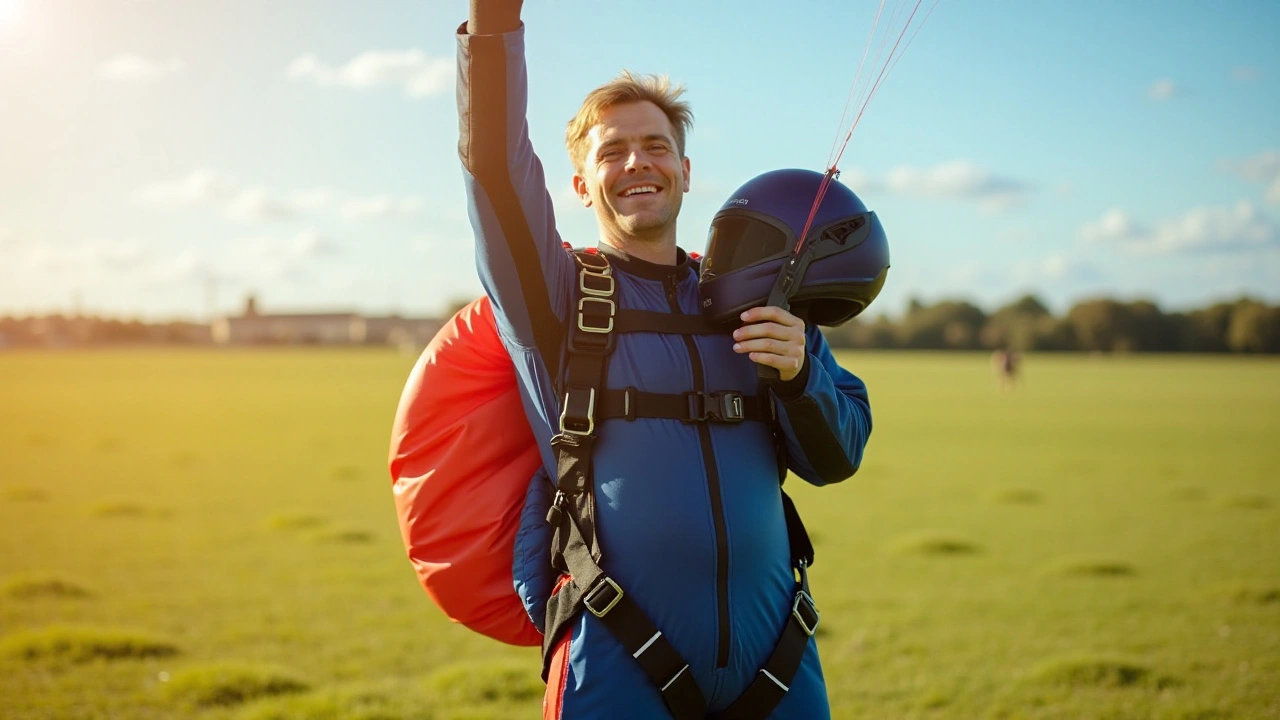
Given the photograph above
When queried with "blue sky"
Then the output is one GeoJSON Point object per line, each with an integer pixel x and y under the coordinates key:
{"type": "Point", "coordinates": [163, 158]}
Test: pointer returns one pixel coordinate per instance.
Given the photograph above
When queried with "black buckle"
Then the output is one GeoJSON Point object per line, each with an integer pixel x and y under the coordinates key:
{"type": "Point", "coordinates": [726, 406]}
{"type": "Point", "coordinates": [606, 591]}
{"type": "Point", "coordinates": [805, 613]}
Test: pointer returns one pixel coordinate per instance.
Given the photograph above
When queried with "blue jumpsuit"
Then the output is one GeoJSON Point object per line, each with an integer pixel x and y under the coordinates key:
{"type": "Point", "coordinates": [689, 514]}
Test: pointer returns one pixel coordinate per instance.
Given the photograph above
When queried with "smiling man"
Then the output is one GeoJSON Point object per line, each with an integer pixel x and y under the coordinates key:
{"type": "Point", "coordinates": [664, 518]}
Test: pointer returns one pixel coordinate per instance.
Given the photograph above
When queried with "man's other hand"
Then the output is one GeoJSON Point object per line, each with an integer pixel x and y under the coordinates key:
{"type": "Point", "coordinates": [774, 337]}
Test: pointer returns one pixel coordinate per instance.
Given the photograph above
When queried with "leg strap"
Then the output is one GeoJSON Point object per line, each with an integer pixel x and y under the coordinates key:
{"type": "Point", "coordinates": [773, 680]}
{"type": "Point", "coordinates": [601, 596]}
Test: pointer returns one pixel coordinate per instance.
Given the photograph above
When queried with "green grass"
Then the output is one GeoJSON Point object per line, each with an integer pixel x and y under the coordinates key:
{"type": "Point", "coordinates": [1122, 517]}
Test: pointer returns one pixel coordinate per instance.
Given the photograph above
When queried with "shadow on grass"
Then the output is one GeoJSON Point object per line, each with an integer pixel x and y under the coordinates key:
{"type": "Point", "coordinates": [297, 521]}
{"type": "Point", "coordinates": [336, 704]}
{"type": "Point", "coordinates": [346, 537]}
{"type": "Point", "coordinates": [1091, 567]}
{"type": "Point", "coordinates": [1248, 501]}
{"type": "Point", "coordinates": [225, 684]}
{"type": "Point", "coordinates": [1248, 594]}
{"type": "Point", "coordinates": [1101, 671]}
{"type": "Point", "coordinates": [125, 509]}
{"type": "Point", "coordinates": [347, 473]}
{"type": "Point", "coordinates": [73, 644]}
{"type": "Point", "coordinates": [1016, 496]}
{"type": "Point", "coordinates": [24, 493]}
{"type": "Point", "coordinates": [39, 588]}
{"type": "Point", "coordinates": [936, 544]}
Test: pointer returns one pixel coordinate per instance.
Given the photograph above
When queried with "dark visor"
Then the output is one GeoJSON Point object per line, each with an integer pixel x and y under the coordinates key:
{"type": "Point", "coordinates": [737, 241]}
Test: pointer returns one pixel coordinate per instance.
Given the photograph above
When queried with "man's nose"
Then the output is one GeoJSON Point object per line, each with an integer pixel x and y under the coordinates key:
{"type": "Point", "coordinates": [637, 160]}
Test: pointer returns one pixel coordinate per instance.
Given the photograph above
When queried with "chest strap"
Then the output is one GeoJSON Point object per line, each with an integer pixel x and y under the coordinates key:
{"type": "Point", "coordinates": [721, 407]}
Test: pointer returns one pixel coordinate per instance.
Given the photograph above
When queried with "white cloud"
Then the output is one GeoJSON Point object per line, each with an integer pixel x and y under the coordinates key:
{"type": "Point", "coordinates": [135, 68]}
{"type": "Point", "coordinates": [381, 206]}
{"type": "Point", "coordinates": [260, 204]}
{"type": "Point", "coordinates": [201, 186]}
{"type": "Point", "coordinates": [1244, 73]}
{"type": "Point", "coordinates": [1261, 168]}
{"type": "Point", "coordinates": [1054, 268]}
{"type": "Point", "coordinates": [1241, 227]}
{"type": "Point", "coordinates": [412, 70]}
{"type": "Point", "coordinates": [257, 203]}
{"type": "Point", "coordinates": [958, 180]}
{"type": "Point", "coordinates": [1163, 89]}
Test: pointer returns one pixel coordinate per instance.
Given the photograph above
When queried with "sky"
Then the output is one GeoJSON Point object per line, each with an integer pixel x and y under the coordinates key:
{"type": "Point", "coordinates": [166, 158]}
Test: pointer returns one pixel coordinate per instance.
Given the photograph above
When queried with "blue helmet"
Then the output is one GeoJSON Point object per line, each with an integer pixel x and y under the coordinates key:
{"type": "Point", "coordinates": [751, 259]}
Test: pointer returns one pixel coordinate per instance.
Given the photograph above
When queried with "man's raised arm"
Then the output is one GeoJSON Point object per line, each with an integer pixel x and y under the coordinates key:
{"type": "Point", "coordinates": [522, 265]}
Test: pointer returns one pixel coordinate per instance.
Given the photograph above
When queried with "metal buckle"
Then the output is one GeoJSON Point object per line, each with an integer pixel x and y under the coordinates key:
{"type": "Point", "coordinates": [591, 413]}
{"type": "Point", "coordinates": [582, 303]}
{"type": "Point", "coordinates": [804, 600]}
{"type": "Point", "coordinates": [606, 275]}
{"type": "Point", "coordinates": [608, 583]}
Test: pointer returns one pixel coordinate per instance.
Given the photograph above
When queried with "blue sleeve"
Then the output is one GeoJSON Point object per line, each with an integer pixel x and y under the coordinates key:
{"type": "Point", "coordinates": [522, 264]}
{"type": "Point", "coordinates": [531, 563]}
{"type": "Point", "coordinates": [825, 416]}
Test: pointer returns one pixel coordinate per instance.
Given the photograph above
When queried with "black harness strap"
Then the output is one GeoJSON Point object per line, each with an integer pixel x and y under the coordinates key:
{"type": "Point", "coordinates": [722, 407]}
{"type": "Point", "coordinates": [662, 322]}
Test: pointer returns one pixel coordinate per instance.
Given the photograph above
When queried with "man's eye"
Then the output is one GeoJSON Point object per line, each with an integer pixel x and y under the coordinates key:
{"type": "Point", "coordinates": [658, 148]}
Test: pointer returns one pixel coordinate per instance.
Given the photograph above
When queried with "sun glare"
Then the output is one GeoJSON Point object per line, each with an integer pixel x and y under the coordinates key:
{"type": "Point", "coordinates": [9, 11]}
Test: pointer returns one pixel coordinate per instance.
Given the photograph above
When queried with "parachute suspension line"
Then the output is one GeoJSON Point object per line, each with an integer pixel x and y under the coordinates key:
{"type": "Point", "coordinates": [853, 89]}
{"type": "Point", "coordinates": [864, 98]}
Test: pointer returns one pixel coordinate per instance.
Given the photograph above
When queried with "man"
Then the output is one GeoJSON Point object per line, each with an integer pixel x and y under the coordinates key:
{"type": "Point", "coordinates": [687, 512]}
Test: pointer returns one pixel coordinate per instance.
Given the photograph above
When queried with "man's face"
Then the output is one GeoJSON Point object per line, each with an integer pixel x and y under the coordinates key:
{"type": "Point", "coordinates": [633, 175]}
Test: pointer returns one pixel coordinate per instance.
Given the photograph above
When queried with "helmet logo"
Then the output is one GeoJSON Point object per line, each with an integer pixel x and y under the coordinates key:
{"type": "Point", "coordinates": [706, 302]}
{"type": "Point", "coordinates": [738, 201]}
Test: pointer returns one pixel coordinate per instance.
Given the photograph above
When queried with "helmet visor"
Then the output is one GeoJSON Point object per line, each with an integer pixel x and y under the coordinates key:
{"type": "Point", "coordinates": [738, 241]}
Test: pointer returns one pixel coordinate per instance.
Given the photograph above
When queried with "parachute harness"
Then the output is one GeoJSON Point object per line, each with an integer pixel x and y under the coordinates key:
{"type": "Point", "coordinates": [575, 545]}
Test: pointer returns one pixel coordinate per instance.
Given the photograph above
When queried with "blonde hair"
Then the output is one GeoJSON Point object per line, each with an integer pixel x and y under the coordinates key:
{"type": "Point", "coordinates": [628, 88]}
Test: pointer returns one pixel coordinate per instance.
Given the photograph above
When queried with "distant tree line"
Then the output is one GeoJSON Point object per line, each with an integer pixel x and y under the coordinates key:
{"type": "Point", "coordinates": [66, 331]}
{"type": "Point", "coordinates": [1098, 325]}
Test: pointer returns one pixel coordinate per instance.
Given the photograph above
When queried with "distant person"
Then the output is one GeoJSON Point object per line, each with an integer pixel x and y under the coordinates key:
{"type": "Point", "coordinates": [1004, 362]}
{"type": "Point", "coordinates": [679, 589]}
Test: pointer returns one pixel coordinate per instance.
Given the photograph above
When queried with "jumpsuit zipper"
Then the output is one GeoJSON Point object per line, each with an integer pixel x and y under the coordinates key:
{"type": "Point", "coordinates": [713, 486]}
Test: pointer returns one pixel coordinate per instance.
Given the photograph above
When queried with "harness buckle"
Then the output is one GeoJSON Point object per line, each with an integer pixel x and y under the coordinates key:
{"type": "Point", "coordinates": [609, 305]}
{"type": "Point", "coordinates": [802, 610]}
{"type": "Point", "coordinates": [608, 591]}
{"type": "Point", "coordinates": [597, 283]}
{"type": "Point", "coordinates": [582, 420]}
{"type": "Point", "coordinates": [725, 406]}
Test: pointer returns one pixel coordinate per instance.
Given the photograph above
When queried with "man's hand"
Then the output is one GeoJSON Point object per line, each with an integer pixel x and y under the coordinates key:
{"type": "Point", "coordinates": [774, 337]}
{"type": "Point", "coordinates": [494, 17]}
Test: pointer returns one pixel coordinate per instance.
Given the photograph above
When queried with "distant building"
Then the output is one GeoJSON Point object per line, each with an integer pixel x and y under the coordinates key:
{"type": "Point", "coordinates": [333, 328]}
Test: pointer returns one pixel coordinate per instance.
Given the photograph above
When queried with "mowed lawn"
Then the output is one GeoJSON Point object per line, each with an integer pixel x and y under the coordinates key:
{"type": "Point", "coordinates": [211, 534]}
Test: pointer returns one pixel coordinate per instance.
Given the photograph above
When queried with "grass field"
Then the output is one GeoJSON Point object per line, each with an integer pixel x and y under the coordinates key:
{"type": "Point", "coordinates": [211, 535]}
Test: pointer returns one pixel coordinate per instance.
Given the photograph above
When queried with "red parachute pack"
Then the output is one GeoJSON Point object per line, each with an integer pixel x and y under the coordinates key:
{"type": "Point", "coordinates": [462, 455]}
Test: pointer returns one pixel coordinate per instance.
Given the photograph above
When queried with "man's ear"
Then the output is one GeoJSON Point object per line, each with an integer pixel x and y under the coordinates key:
{"type": "Point", "coordinates": [580, 187]}
{"type": "Point", "coordinates": [685, 171]}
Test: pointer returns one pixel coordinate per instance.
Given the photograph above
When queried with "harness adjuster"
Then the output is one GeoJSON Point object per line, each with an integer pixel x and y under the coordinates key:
{"type": "Point", "coordinates": [579, 414]}
{"type": "Point", "coordinates": [805, 612]}
{"type": "Point", "coordinates": [597, 320]}
{"type": "Point", "coordinates": [606, 591]}
{"type": "Point", "coordinates": [725, 406]}
{"type": "Point", "coordinates": [592, 281]}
